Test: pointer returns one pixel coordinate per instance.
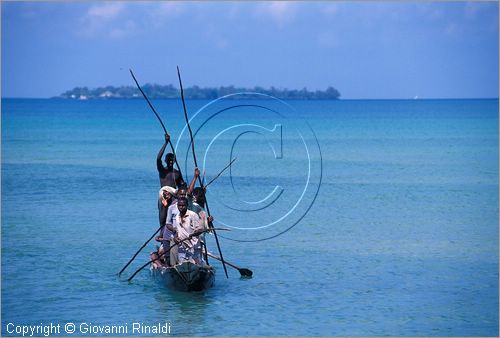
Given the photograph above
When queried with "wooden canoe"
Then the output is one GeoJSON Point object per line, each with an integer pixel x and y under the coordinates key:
{"type": "Point", "coordinates": [184, 277]}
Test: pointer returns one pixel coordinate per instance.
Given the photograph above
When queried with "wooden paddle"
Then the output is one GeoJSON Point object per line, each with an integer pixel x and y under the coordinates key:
{"type": "Point", "coordinates": [244, 272]}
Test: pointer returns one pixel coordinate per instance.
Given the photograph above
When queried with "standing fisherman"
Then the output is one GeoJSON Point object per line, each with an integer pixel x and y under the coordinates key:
{"type": "Point", "coordinates": [168, 177]}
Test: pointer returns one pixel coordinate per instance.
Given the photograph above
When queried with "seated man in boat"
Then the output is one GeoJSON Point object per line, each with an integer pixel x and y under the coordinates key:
{"type": "Point", "coordinates": [157, 263]}
{"type": "Point", "coordinates": [186, 223]}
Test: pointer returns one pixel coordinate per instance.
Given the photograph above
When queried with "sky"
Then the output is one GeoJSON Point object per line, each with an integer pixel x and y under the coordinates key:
{"type": "Point", "coordinates": [366, 50]}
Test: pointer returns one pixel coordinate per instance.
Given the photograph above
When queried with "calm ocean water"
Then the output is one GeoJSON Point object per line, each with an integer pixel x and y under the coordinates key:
{"type": "Point", "coordinates": [356, 217]}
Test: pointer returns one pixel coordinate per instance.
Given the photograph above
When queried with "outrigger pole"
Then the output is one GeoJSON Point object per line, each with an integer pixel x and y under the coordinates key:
{"type": "Point", "coordinates": [157, 116]}
{"type": "Point", "coordinates": [210, 225]}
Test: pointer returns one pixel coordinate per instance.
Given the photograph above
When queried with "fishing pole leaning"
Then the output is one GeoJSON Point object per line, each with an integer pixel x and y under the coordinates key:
{"type": "Point", "coordinates": [196, 165]}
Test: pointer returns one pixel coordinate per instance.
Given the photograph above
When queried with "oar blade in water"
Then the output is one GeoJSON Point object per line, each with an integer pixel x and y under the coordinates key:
{"type": "Point", "coordinates": [245, 272]}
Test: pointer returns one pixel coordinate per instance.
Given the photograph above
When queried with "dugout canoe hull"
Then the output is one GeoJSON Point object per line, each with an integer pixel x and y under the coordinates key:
{"type": "Point", "coordinates": [185, 277]}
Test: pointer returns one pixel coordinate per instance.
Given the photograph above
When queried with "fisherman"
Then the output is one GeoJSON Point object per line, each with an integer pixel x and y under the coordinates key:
{"type": "Point", "coordinates": [185, 224]}
{"type": "Point", "coordinates": [199, 208]}
{"type": "Point", "coordinates": [166, 198]}
{"type": "Point", "coordinates": [168, 177]}
{"type": "Point", "coordinates": [199, 205]}
{"type": "Point", "coordinates": [172, 212]}
{"type": "Point", "coordinates": [190, 189]}
{"type": "Point", "coordinates": [157, 262]}
{"type": "Point", "coordinates": [166, 195]}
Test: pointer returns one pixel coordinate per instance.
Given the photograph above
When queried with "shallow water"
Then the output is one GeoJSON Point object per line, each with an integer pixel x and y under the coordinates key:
{"type": "Point", "coordinates": [399, 236]}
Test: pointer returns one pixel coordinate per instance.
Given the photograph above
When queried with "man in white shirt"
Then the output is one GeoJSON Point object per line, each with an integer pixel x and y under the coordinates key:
{"type": "Point", "coordinates": [187, 222]}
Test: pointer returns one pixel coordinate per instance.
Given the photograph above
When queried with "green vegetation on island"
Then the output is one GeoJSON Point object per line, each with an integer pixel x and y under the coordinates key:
{"type": "Point", "coordinates": [155, 91]}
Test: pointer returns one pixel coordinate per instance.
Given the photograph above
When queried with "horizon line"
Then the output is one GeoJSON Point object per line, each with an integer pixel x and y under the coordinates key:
{"type": "Point", "coordinates": [338, 99]}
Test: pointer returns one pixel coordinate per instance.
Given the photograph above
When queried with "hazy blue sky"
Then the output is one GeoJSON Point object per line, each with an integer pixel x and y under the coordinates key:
{"type": "Point", "coordinates": [364, 49]}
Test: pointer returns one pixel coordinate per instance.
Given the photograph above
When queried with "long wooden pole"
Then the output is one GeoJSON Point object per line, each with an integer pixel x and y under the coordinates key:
{"type": "Point", "coordinates": [157, 116]}
{"type": "Point", "coordinates": [196, 165]}
{"type": "Point", "coordinates": [140, 249]}
{"type": "Point", "coordinates": [220, 173]}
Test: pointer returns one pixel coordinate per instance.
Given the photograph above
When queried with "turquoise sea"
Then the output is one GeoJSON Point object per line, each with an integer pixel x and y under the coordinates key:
{"type": "Point", "coordinates": [357, 217]}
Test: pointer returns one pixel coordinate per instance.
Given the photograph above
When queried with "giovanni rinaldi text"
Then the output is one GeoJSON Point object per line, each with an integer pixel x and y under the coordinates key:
{"type": "Point", "coordinates": [86, 328]}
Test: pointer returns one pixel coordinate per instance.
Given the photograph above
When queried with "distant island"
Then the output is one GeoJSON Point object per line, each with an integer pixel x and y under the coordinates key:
{"type": "Point", "coordinates": [155, 91]}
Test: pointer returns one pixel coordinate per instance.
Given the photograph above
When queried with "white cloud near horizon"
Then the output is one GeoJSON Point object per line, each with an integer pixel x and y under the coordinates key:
{"type": "Point", "coordinates": [170, 8]}
{"type": "Point", "coordinates": [160, 13]}
{"type": "Point", "coordinates": [106, 11]}
{"type": "Point", "coordinates": [280, 12]}
{"type": "Point", "coordinates": [104, 20]}
{"type": "Point", "coordinates": [330, 9]}
{"type": "Point", "coordinates": [121, 19]}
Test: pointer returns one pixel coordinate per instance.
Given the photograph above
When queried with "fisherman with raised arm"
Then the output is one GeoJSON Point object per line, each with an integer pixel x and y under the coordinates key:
{"type": "Point", "coordinates": [169, 177]}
